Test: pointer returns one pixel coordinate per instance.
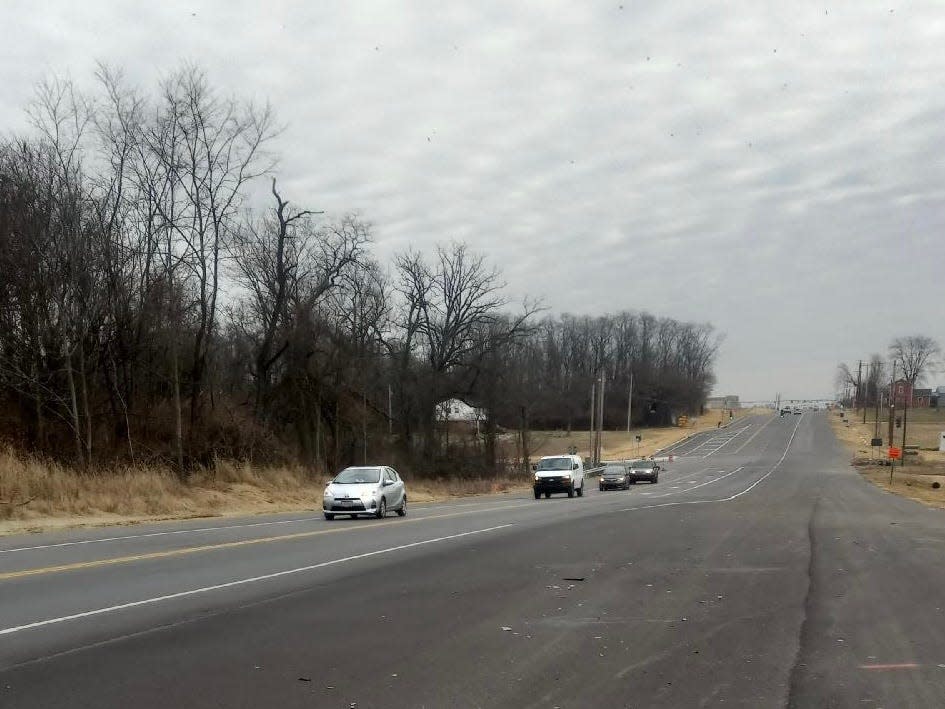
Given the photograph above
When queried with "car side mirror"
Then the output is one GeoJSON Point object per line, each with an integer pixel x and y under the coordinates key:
{"type": "Point", "coordinates": [534, 466]}
{"type": "Point", "coordinates": [575, 466]}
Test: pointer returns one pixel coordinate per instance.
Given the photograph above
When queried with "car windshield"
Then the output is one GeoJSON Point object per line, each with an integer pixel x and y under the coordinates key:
{"type": "Point", "coordinates": [614, 470]}
{"type": "Point", "coordinates": [554, 464]}
{"type": "Point", "coordinates": [641, 464]}
{"type": "Point", "coordinates": [353, 476]}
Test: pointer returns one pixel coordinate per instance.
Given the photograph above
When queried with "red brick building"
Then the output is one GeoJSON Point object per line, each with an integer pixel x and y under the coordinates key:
{"type": "Point", "coordinates": [917, 398]}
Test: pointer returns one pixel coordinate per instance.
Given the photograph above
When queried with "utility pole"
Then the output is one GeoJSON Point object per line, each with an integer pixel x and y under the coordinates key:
{"type": "Point", "coordinates": [390, 410]}
{"type": "Point", "coordinates": [859, 385]}
{"type": "Point", "coordinates": [630, 402]}
{"type": "Point", "coordinates": [600, 418]}
{"type": "Point", "coordinates": [590, 443]}
{"type": "Point", "coordinates": [892, 416]}
{"type": "Point", "coordinates": [866, 397]}
{"type": "Point", "coordinates": [879, 398]}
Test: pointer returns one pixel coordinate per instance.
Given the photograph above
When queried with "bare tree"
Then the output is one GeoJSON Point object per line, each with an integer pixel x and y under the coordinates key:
{"type": "Point", "coordinates": [913, 356]}
{"type": "Point", "coordinates": [209, 148]}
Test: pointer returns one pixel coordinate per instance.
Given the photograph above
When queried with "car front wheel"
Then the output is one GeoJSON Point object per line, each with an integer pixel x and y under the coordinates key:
{"type": "Point", "coordinates": [381, 509]}
{"type": "Point", "coordinates": [329, 516]}
{"type": "Point", "coordinates": [402, 512]}
{"type": "Point", "coordinates": [580, 490]}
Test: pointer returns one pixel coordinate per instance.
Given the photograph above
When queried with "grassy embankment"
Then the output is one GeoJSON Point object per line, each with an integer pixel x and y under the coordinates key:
{"type": "Point", "coordinates": [914, 480]}
{"type": "Point", "coordinates": [36, 494]}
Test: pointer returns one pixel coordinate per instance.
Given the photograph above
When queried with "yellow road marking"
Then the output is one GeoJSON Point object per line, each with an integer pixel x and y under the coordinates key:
{"type": "Point", "coordinates": [224, 545]}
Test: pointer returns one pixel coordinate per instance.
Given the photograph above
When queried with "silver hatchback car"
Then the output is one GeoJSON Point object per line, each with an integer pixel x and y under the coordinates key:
{"type": "Point", "coordinates": [365, 490]}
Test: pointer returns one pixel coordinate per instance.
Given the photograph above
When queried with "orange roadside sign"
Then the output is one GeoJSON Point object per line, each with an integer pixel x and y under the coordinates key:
{"type": "Point", "coordinates": [895, 453]}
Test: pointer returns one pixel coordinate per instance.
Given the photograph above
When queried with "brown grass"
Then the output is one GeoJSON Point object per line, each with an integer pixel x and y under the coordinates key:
{"type": "Point", "coordinates": [914, 480]}
{"type": "Point", "coordinates": [622, 445]}
{"type": "Point", "coordinates": [38, 494]}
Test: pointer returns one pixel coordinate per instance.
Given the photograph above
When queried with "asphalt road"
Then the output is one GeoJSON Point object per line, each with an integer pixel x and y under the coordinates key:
{"type": "Point", "coordinates": [761, 572]}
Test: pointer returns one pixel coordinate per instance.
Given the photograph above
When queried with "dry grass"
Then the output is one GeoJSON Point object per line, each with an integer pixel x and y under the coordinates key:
{"type": "Point", "coordinates": [37, 494]}
{"type": "Point", "coordinates": [914, 480]}
{"type": "Point", "coordinates": [622, 445]}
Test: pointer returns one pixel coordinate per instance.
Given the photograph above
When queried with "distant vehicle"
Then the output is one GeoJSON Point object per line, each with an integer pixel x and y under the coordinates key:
{"type": "Point", "coordinates": [785, 411]}
{"type": "Point", "coordinates": [559, 473]}
{"type": "Point", "coordinates": [615, 476]}
{"type": "Point", "coordinates": [798, 410]}
{"type": "Point", "coordinates": [644, 470]}
{"type": "Point", "coordinates": [365, 490]}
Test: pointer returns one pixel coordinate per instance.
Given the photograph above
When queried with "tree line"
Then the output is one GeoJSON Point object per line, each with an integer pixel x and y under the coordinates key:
{"type": "Point", "coordinates": [148, 314]}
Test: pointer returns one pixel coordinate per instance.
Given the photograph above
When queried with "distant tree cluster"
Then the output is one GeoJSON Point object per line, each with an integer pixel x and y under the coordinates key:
{"type": "Point", "coordinates": [147, 314]}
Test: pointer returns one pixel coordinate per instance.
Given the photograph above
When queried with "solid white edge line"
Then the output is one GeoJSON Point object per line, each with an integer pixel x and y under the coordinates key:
{"type": "Point", "coordinates": [238, 582]}
{"type": "Point", "coordinates": [707, 482]}
{"type": "Point", "coordinates": [724, 499]}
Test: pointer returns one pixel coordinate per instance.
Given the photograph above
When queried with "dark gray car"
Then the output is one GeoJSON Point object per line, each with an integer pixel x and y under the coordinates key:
{"type": "Point", "coordinates": [615, 476]}
{"type": "Point", "coordinates": [645, 470]}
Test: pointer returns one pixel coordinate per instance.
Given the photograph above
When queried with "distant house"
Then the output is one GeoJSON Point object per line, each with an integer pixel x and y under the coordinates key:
{"type": "Point", "coordinates": [458, 410]}
{"type": "Point", "coordinates": [723, 402]}
{"type": "Point", "coordinates": [902, 392]}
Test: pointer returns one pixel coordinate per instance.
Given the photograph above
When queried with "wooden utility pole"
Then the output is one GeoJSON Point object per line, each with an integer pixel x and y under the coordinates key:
{"type": "Point", "coordinates": [858, 402]}
{"type": "Point", "coordinates": [630, 402]}
{"type": "Point", "coordinates": [892, 416]}
{"type": "Point", "coordinates": [866, 395]}
{"type": "Point", "coordinates": [600, 419]}
{"type": "Point", "coordinates": [590, 443]}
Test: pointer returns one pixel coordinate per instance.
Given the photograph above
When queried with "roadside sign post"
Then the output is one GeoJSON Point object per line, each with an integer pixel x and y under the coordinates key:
{"type": "Point", "coordinates": [894, 455]}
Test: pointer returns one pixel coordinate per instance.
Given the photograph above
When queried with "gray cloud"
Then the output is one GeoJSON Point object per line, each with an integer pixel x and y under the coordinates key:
{"type": "Point", "coordinates": [774, 168]}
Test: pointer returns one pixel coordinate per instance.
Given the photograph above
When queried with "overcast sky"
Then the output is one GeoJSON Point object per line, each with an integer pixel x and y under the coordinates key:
{"type": "Point", "coordinates": [774, 168]}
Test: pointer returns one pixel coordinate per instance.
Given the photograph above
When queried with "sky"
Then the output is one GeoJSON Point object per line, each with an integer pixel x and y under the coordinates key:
{"type": "Point", "coordinates": [774, 168]}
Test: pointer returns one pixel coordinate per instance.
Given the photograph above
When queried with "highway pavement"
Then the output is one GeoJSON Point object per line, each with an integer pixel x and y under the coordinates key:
{"type": "Point", "coordinates": [761, 571]}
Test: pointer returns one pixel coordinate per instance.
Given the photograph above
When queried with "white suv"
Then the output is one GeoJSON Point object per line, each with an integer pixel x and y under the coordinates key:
{"type": "Point", "coordinates": [559, 473]}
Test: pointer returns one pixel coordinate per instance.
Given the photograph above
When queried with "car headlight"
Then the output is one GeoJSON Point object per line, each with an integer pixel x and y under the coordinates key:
{"type": "Point", "coordinates": [537, 477]}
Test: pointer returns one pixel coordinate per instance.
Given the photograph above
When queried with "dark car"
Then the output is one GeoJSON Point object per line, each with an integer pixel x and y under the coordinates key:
{"type": "Point", "coordinates": [615, 476]}
{"type": "Point", "coordinates": [644, 470]}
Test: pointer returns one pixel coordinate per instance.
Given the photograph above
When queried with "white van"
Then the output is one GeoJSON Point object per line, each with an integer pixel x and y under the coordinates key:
{"type": "Point", "coordinates": [559, 473]}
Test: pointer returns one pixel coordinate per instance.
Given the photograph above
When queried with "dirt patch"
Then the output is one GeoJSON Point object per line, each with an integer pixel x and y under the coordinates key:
{"type": "Point", "coordinates": [915, 480]}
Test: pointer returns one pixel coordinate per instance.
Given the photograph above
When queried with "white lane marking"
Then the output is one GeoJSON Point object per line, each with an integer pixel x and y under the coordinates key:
{"type": "Point", "coordinates": [238, 582]}
{"type": "Point", "coordinates": [157, 534]}
{"type": "Point", "coordinates": [717, 436]}
{"type": "Point", "coordinates": [739, 450]}
{"type": "Point", "coordinates": [703, 484]}
{"type": "Point", "coordinates": [724, 499]}
{"type": "Point", "coordinates": [727, 441]}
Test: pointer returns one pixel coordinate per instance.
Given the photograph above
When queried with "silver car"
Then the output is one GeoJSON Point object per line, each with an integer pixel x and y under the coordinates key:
{"type": "Point", "coordinates": [365, 490]}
